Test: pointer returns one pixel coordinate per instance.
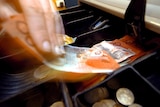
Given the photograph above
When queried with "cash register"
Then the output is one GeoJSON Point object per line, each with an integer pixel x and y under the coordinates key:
{"type": "Point", "coordinates": [91, 22]}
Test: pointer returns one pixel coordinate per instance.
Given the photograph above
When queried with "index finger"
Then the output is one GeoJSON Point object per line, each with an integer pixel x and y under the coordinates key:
{"type": "Point", "coordinates": [41, 23]}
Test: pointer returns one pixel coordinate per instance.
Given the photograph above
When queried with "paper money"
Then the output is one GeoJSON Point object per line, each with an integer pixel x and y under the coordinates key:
{"type": "Point", "coordinates": [85, 60]}
{"type": "Point", "coordinates": [76, 59]}
{"type": "Point", "coordinates": [119, 53]}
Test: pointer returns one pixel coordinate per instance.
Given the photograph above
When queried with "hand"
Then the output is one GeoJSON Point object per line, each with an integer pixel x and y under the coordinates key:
{"type": "Point", "coordinates": [44, 23]}
{"type": "Point", "coordinates": [6, 10]}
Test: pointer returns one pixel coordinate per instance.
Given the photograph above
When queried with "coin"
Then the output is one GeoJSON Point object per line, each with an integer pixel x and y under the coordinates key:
{"type": "Point", "coordinates": [118, 105]}
{"type": "Point", "coordinates": [96, 94]}
{"type": "Point", "coordinates": [113, 83]}
{"type": "Point", "coordinates": [108, 102]}
{"type": "Point", "coordinates": [41, 72]}
{"type": "Point", "coordinates": [97, 104]}
{"type": "Point", "coordinates": [104, 103]}
{"type": "Point", "coordinates": [125, 96]}
{"type": "Point", "coordinates": [135, 105]}
{"type": "Point", "coordinates": [58, 104]}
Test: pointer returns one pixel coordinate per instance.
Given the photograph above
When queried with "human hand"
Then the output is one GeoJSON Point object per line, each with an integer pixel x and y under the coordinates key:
{"type": "Point", "coordinates": [43, 21]}
{"type": "Point", "coordinates": [44, 24]}
{"type": "Point", "coordinates": [6, 10]}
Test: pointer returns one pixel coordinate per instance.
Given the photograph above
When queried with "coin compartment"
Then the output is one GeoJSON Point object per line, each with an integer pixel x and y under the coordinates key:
{"type": "Point", "coordinates": [127, 77]}
{"type": "Point", "coordinates": [43, 95]}
{"type": "Point", "coordinates": [149, 68]}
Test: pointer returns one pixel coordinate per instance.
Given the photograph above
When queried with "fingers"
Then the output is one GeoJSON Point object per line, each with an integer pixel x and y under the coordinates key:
{"type": "Point", "coordinates": [6, 11]}
{"type": "Point", "coordinates": [44, 24]}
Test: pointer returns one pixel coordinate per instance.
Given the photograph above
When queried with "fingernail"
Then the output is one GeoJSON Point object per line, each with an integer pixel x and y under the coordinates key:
{"type": "Point", "coordinates": [46, 46]}
{"type": "Point", "coordinates": [59, 50]}
{"type": "Point", "coordinates": [62, 49]}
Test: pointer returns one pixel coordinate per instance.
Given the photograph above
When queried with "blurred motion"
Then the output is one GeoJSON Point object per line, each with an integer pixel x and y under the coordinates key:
{"type": "Point", "coordinates": [96, 61]}
{"type": "Point", "coordinates": [19, 41]}
{"type": "Point", "coordinates": [22, 55]}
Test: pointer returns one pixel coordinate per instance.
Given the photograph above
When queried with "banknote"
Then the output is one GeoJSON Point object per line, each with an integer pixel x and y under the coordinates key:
{"type": "Point", "coordinates": [118, 52]}
{"type": "Point", "coordinates": [84, 60]}
{"type": "Point", "coordinates": [76, 59]}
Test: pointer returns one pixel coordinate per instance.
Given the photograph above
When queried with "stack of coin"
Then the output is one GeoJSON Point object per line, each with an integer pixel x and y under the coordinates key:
{"type": "Point", "coordinates": [96, 95]}
{"type": "Point", "coordinates": [104, 103]}
{"type": "Point", "coordinates": [113, 83]}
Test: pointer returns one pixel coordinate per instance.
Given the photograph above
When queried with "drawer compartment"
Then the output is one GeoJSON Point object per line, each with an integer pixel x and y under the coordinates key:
{"type": "Point", "coordinates": [149, 68]}
{"type": "Point", "coordinates": [43, 95]}
{"type": "Point", "coordinates": [81, 20]}
{"type": "Point", "coordinates": [144, 94]}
